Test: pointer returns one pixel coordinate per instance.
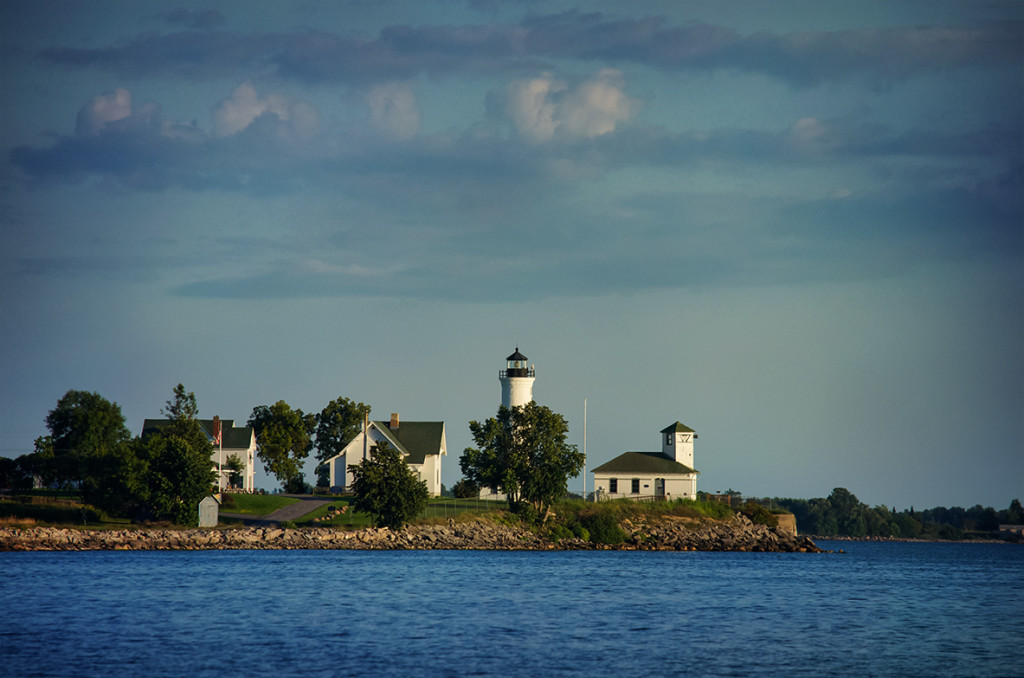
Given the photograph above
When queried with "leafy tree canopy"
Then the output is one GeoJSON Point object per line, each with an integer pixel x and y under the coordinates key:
{"type": "Point", "coordinates": [234, 466]}
{"type": "Point", "coordinates": [167, 474]}
{"type": "Point", "coordinates": [387, 489]}
{"type": "Point", "coordinates": [183, 413]}
{"type": "Point", "coordinates": [523, 453]}
{"type": "Point", "coordinates": [283, 440]}
{"type": "Point", "coordinates": [163, 477]}
{"type": "Point", "coordinates": [86, 422]}
{"type": "Point", "coordinates": [465, 489]}
{"type": "Point", "coordinates": [177, 478]}
{"type": "Point", "coordinates": [337, 425]}
{"type": "Point", "coordinates": [83, 427]}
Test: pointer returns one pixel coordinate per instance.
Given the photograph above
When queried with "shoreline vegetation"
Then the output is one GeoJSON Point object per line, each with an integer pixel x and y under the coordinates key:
{"type": "Point", "coordinates": [446, 524]}
{"type": "Point", "coordinates": [65, 523]}
{"type": "Point", "coordinates": [668, 533]}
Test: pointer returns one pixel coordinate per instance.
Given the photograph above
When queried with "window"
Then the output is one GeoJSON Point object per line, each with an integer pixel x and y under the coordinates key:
{"type": "Point", "coordinates": [636, 486]}
{"type": "Point", "coordinates": [613, 485]}
{"type": "Point", "coordinates": [668, 438]}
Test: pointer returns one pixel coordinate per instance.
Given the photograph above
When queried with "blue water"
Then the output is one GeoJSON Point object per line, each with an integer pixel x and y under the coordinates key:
{"type": "Point", "coordinates": [887, 609]}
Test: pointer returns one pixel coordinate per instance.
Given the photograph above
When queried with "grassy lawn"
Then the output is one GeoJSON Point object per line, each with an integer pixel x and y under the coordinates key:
{"type": "Point", "coordinates": [44, 511]}
{"type": "Point", "coordinates": [446, 507]}
{"type": "Point", "coordinates": [349, 519]}
{"type": "Point", "coordinates": [255, 504]}
{"type": "Point", "coordinates": [438, 508]}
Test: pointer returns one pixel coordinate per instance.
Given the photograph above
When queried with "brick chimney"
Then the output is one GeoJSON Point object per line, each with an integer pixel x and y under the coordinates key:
{"type": "Point", "coordinates": [394, 421]}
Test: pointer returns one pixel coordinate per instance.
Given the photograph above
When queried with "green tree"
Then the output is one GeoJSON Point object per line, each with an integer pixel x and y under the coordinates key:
{"type": "Point", "coordinates": [323, 475]}
{"type": "Point", "coordinates": [122, 485]}
{"type": "Point", "coordinates": [161, 477]}
{"type": "Point", "coordinates": [1014, 513]}
{"type": "Point", "coordinates": [183, 415]}
{"type": "Point", "coordinates": [178, 477]}
{"type": "Point", "coordinates": [387, 489]}
{"type": "Point", "coordinates": [523, 453]}
{"type": "Point", "coordinates": [337, 425]}
{"type": "Point", "coordinates": [465, 489]}
{"type": "Point", "coordinates": [16, 474]}
{"type": "Point", "coordinates": [167, 474]}
{"type": "Point", "coordinates": [988, 521]}
{"type": "Point", "coordinates": [906, 526]}
{"type": "Point", "coordinates": [283, 440]}
{"type": "Point", "coordinates": [84, 428]}
{"type": "Point", "coordinates": [234, 466]}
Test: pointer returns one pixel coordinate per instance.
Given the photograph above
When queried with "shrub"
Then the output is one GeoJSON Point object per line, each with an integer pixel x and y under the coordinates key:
{"type": "Point", "coordinates": [558, 532]}
{"type": "Point", "coordinates": [527, 513]}
{"type": "Point", "coordinates": [759, 514]}
{"type": "Point", "coordinates": [581, 532]}
{"type": "Point", "coordinates": [604, 528]}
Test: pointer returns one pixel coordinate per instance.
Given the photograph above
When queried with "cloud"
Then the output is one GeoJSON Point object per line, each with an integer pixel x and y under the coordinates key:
{"type": "Point", "coordinates": [541, 108]}
{"type": "Point", "coordinates": [597, 105]}
{"type": "Point", "coordinates": [271, 143]}
{"type": "Point", "coordinates": [531, 109]}
{"type": "Point", "coordinates": [102, 109]}
{"type": "Point", "coordinates": [402, 52]}
{"type": "Point", "coordinates": [393, 110]}
{"type": "Point", "coordinates": [300, 119]}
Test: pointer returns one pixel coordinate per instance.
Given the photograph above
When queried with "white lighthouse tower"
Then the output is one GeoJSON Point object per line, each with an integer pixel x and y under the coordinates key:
{"type": "Point", "coordinates": [516, 381]}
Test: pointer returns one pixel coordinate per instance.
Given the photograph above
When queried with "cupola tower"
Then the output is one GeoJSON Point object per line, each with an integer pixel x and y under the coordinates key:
{"type": "Point", "coordinates": [516, 381]}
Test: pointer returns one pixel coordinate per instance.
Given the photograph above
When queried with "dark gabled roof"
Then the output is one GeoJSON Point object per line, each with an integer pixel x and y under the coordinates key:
{"type": "Point", "coordinates": [415, 439]}
{"type": "Point", "coordinates": [643, 462]}
{"type": "Point", "coordinates": [516, 356]}
{"type": "Point", "coordinates": [232, 437]}
{"type": "Point", "coordinates": [677, 428]}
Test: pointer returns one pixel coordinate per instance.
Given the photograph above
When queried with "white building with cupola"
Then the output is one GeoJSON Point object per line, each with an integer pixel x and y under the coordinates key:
{"type": "Point", "coordinates": [668, 474]}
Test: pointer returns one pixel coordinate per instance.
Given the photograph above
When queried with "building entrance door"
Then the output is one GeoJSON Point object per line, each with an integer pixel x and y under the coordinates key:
{"type": "Point", "coordinates": [659, 487]}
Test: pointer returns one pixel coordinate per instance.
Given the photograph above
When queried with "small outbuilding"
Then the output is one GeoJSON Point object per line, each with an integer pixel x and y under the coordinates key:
{"type": "Point", "coordinates": [209, 512]}
{"type": "Point", "coordinates": [668, 474]}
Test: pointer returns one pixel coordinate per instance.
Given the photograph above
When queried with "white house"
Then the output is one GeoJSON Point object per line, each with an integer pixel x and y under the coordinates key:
{"type": "Point", "coordinates": [239, 441]}
{"type": "Point", "coordinates": [668, 474]}
{"type": "Point", "coordinates": [422, 443]}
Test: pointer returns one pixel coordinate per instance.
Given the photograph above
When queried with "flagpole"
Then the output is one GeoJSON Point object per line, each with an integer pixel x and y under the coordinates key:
{"type": "Point", "coordinates": [220, 453]}
{"type": "Point", "coordinates": [584, 449]}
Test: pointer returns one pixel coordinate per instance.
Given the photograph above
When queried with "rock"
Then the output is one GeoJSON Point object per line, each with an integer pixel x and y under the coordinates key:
{"type": "Point", "coordinates": [668, 535]}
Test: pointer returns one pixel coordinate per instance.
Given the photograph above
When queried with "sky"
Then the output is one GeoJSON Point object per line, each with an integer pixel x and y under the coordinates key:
{"type": "Point", "coordinates": [795, 227]}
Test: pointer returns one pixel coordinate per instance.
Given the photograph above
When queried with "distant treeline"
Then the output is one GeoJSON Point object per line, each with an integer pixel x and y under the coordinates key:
{"type": "Point", "coordinates": [842, 514]}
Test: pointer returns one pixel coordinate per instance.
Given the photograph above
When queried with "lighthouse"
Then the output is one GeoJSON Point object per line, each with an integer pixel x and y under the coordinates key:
{"type": "Point", "coordinates": [516, 381]}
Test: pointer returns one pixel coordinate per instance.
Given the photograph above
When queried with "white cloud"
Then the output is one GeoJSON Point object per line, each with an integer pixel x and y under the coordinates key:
{"type": "Point", "coordinates": [393, 110]}
{"type": "Point", "coordinates": [541, 108]}
{"type": "Point", "coordinates": [530, 108]}
{"type": "Point", "coordinates": [102, 109]}
{"type": "Point", "coordinates": [597, 105]}
{"type": "Point", "coordinates": [233, 115]}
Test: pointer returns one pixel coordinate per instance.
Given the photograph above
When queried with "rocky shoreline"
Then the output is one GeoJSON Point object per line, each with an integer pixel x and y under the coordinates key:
{"type": "Point", "coordinates": [738, 534]}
